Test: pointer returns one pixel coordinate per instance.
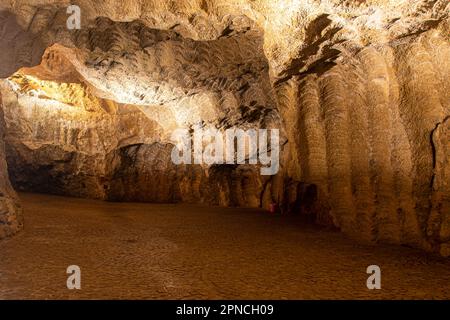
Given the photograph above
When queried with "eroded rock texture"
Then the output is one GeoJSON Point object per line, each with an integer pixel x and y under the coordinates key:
{"type": "Point", "coordinates": [10, 209]}
{"type": "Point", "coordinates": [359, 89]}
{"type": "Point", "coordinates": [108, 139]}
{"type": "Point", "coordinates": [366, 129]}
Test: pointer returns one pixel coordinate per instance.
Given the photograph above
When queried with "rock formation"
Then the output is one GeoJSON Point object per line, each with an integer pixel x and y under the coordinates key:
{"type": "Point", "coordinates": [10, 210]}
{"type": "Point", "coordinates": [359, 89]}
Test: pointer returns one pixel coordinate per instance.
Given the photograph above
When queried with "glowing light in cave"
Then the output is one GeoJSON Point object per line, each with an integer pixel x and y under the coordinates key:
{"type": "Point", "coordinates": [46, 93]}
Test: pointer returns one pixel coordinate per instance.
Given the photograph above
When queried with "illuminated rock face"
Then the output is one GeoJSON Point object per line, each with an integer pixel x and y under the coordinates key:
{"type": "Point", "coordinates": [368, 133]}
{"type": "Point", "coordinates": [359, 90]}
{"type": "Point", "coordinates": [97, 122]}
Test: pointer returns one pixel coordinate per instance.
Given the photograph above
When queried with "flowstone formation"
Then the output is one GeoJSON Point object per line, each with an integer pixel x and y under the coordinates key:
{"type": "Point", "coordinates": [358, 89]}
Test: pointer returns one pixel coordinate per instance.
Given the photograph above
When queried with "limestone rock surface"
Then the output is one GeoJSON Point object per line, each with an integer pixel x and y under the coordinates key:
{"type": "Point", "coordinates": [10, 210]}
{"type": "Point", "coordinates": [359, 89]}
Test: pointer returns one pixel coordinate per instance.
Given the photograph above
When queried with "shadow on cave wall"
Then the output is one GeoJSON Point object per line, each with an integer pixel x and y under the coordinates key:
{"type": "Point", "coordinates": [20, 47]}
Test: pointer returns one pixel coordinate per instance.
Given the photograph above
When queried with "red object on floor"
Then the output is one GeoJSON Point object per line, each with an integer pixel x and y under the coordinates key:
{"type": "Point", "coordinates": [273, 208]}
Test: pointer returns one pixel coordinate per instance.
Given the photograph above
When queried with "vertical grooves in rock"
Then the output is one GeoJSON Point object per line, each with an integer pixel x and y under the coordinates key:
{"type": "Point", "coordinates": [380, 128]}
{"type": "Point", "coordinates": [360, 152]}
{"type": "Point", "coordinates": [287, 95]}
{"type": "Point", "coordinates": [401, 160]}
{"type": "Point", "coordinates": [335, 112]}
{"type": "Point", "coordinates": [312, 124]}
{"type": "Point", "coordinates": [420, 110]}
{"type": "Point", "coordinates": [314, 153]}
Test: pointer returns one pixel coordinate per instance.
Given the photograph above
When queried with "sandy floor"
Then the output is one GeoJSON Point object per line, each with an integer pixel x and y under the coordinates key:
{"type": "Point", "coordinates": [142, 251]}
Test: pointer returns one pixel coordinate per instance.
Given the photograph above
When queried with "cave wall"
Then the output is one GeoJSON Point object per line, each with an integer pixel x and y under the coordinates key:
{"type": "Point", "coordinates": [112, 153]}
{"type": "Point", "coordinates": [11, 219]}
{"type": "Point", "coordinates": [64, 148]}
{"type": "Point", "coordinates": [370, 132]}
{"type": "Point", "coordinates": [146, 173]}
{"type": "Point", "coordinates": [78, 131]}
{"type": "Point", "coordinates": [359, 89]}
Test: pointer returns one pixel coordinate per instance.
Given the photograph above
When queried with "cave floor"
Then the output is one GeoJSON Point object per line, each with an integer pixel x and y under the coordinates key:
{"type": "Point", "coordinates": [152, 251]}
